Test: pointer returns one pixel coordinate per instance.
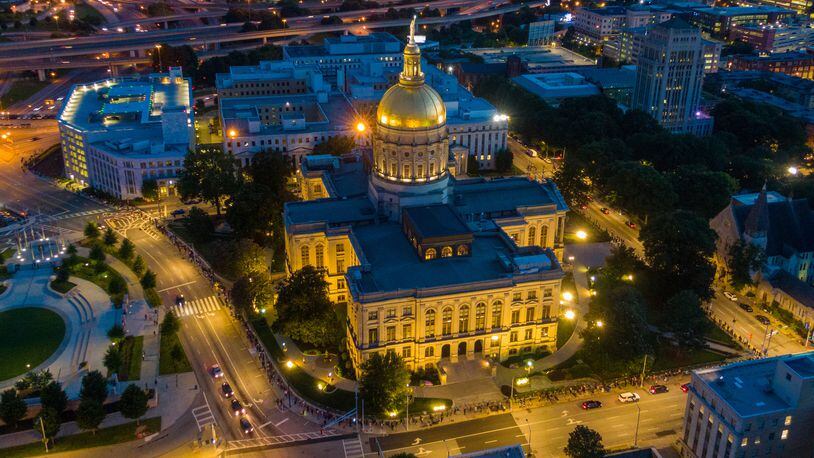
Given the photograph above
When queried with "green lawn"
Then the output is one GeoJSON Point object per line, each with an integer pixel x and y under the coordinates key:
{"type": "Point", "coordinates": [85, 269]}
{"type": "Point", "coordinates": [88, 14]}
{"type": "Point", "coordinates": [62, 286]}
{"type": "Point", "coordinates": [565, 328]}
{"type": "Point", "coordinates": [666, 359]}
{"type": "Point", "coordinates": [165, 363]}
{"type": "Point", "coordinates": [81, 441]}
{"type": "Point", "coordinates": [27, 336]}
{"type": "Point", "coordinates": [21, 90]}
{"type": "Point", "coordinates": [576, 222]}
{"type": "Point", "coordinates": [713, 332]}
{"type": "Point", "coordinates": [428, 405]}
{"type": "Point", "coordinates": [131, 348]}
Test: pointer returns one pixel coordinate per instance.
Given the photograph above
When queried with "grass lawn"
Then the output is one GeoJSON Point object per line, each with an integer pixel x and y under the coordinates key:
{"type": "Point", "coordinates": [565, 328]}
{"type": "Point", "coordinates": [717, 334]}
{"type": "Point", "coordinates": [21, 90]}
{"type": "Point", "coordinates": [81, 441]}
{"type": "Point", "coordinates": [28, 336]}
{"type": "Point", "coordinates": [85, 269]}
{"type": "Point", "coordinates": [667, 359]}
{"type": "Point", "coordinates": [131, 358]}
{"type": "Point", "coordinates": [62, 286]}
{"type": "Point", "coordinates": [88, 13]}
{"type": "Point", "coordinates": [166, 365]}
{"type": "Point", "coordinates": [568, 284]}
{"type": "Point", "coordinates": [576, 222]}
{"type": "Point", "coordinates": [426, 405]}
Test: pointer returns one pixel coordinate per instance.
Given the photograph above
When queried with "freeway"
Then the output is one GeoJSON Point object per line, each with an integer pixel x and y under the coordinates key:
{"type": "Point", "coordinates": [546, 428]}
{"type": "Point", "coordinates": [40, 53]}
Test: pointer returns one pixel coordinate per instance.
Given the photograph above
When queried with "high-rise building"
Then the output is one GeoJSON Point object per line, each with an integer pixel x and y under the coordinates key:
{"type": "Point", "coordinates": [761, 407]}
{"type": "Point", "coordinates": [669, 77]}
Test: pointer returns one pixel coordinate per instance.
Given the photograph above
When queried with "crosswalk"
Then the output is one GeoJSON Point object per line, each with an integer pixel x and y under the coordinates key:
{"type": "Point", "coordinates": [75, 214]}
{"type": "Point", "coordinates": [353, 448]}
{"type": "Point", "coordinates": [198, 306]}
{"type": "Point", "coordinates": [203, 416]}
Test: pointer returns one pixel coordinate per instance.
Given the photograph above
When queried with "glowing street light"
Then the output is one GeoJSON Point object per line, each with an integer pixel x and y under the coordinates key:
{"type": "Point", "coordinates": [360, 127]}
{"type": "Point", "coordinates": [289, 364]}
{"type": "Point", "coordinates": [232, 133]}
{"type": "Point", "coordinates": [792, 170]}
{"type": "Point", "coordinates": [568, 296]}
{"type": "Point", "coordinates": [570, 315]}
{"type": "Point", "coordinates": [582, 235]}
{"type": "Point", "coordinates": [599, 324]}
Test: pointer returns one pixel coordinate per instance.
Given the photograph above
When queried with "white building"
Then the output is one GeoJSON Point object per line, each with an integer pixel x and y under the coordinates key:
{"type": "Point", "coordinates": [627, 47]}
{"type": "Point", "coordinates": [597, 25]}
{"type": "Point", "coordinates": [669, 76]}
{"type": "Point", "coordinates": [553, 87]}
{"type": "Point", "coordinates": [118, 133]}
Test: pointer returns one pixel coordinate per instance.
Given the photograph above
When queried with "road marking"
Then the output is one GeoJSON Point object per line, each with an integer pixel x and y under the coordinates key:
{"type": "Point", "coordinates": [491, 441]}
{"type": "Point", "coordinates": [353, 448]}
{"type": "Point", "coordinates": [277, 425]}
{"type": "Point", "coordinates": [176, 286]}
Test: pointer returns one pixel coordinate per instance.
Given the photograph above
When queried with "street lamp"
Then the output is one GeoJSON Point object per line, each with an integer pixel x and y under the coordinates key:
{"type": "Point", "coordinates": [599, 324]}
{"type": "Point", "coordinates": [582, 235]}
{"type": "Point", "coordinates": [569, 315]}
{"type": "Point", "coordinates": [568, 296]}
{"type": "Point", "coordinates": [158, 51]}
{"type": "Point", "coordinates": [792, 170]}
{"type": "Point", "coordinates": [360, 127]}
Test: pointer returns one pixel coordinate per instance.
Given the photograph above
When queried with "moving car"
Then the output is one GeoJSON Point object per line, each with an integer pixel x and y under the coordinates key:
{"type": "Point", "coordinates": [656, 389]}
{"type": "Point", "coordinates": [227, 390]}
{"type": "Point", "coordinates": [215, 371]}
{"type": "Point", "coordinates": [630, 224]}
{"type": "Point", "coordinates": [746, 307]}
{"type": "Point", "coordinates": [179, 300]}
{"type": "Point", "coordinates": [237, 407]}
{"type": "Point", "coordinates": [731, 296]}
{"type": "Point", "coordinates": [629, 397]}
{"type": "Point", "coordinates": [246, 426]}
{"type": "Point", "coordinates": [604, 210]}
{"type": "Point", "coordinates": [762, 320]}
{"type": "Point", "coordinates": [591, 405]}
{"type": "Point", "coordinates": [685, 387]}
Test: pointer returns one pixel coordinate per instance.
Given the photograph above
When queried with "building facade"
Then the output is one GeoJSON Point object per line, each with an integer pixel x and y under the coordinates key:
{"type": "Point", "coordinates": [719, 21]}
{"type": "Point", "coordinates": [761, 407]}
{"type": "Point", "coordinates": [429, 266]}
{"type": "Point", "coordinates": [627, 47]}
{"type": "Point", "coordinates": [773, 38]}
{"type": "Point", "coordinates": [598, 25]}
{"type": "Point", "coordinates": [120, 132]}
{"type": "Point", "coordinates": [669, 76]}
{"type": "Point", "coordinates": [797, 64]}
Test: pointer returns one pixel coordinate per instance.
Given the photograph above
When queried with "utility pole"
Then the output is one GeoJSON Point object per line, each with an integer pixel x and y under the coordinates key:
{"type": "Point", "coordinates": [638, 416]}
{"type": "Point", "coordinates": [44, 439]}
{"type": "Point", "coordinates": [644, 365]}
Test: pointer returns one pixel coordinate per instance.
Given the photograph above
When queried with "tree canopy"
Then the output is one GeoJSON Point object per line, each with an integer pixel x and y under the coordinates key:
{"type": "Point", "coordinates": [384, 383]}
{"type": "Point", "coordinates": [304, 311]}
{"type": "Point", "coordinates": [584, 442]}
{"type": "Point", "coordinates": [208, 174]}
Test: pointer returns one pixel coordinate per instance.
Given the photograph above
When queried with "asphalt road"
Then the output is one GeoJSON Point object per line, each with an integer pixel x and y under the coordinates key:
{"type": "Point", "coordinates": [548, 427]}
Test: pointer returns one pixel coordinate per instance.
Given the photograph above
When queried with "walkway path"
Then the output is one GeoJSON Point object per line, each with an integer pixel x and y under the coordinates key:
{"type": "Point", "coordinates": [315, 365]}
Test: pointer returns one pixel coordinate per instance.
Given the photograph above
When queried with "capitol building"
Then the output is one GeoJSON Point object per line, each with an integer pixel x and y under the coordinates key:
{"type": "Point", "coordinates": [430, 264]}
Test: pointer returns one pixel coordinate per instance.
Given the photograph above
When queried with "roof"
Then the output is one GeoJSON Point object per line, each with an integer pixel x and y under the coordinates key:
{"type": "Point", "coordinates": [431, 221]}
{"type": "Point", "coordinates": [677, 23]}
{"type": "Point", "coordinates": [790, 223]}
{"type": "Point", "coordinates": [483, 69]}
{"type": "Point", "coordinates": [332, 212]}
{"type": "Point", "coordinates": [337, 114]}
{"type": "Point", "coordinates": [744, 386]}
{"type": "Point", "coordinates": [795, 288]}
{"type": "Point", "coordinates": [742, 10]}
{"type": "Point", "coordinates": [506, 195]}
{"type": "Point", "coordinates": [509, 451]}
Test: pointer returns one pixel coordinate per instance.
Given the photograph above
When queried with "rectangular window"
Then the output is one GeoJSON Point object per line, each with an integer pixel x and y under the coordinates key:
{"type": "Point", "coordinates": [544, 332]}
{"type": "Point", "coordinates": [407, 331]}
{"type": "Point", "coordinates": [407, 311]}
{"type": "Point", "coordinates": [373, 336]}
{"type": "Point", "coordinates": [406, 352]}
{"type": "Point", "coordinates": [515, 316]}
{"type": "Point", "coordinates": [532, 295]}
{"type": "Point", "coordinates": [340, 284]}
{"type": "Point", "coordinates": [784, 434]}
{"type": "Point", "coordinates": [373, 315]}
{"type": "Point", "coordinates": [391, 333]}
{"type": "Point", "coordinates": [391, 312]}
{"type": "Point", "coordinates": [546, 312]}
{"type": "Point", "coordinates": [517, 297]}
{"type": "Point", "coordinates": [529, 334]}
{"type": "Point", "coordinates": [340, 265]}
{"type": "Point", "coordinates": [513, 336]}
{"type": "Point", "coordinates": [529, 314]}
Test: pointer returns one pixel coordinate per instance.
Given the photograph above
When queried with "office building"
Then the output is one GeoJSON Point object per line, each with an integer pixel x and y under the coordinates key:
{"type": "Point", "coordinates": [719, 21]}
{"type": "Point", "coordinates": [797, 64]}
{"type": "Point", "coordinates": [627, 47]}
{"type": "Point", "coordinates": [775, 38]}
{"type": "Point", "coordinates": [470, 267]}
{"type": "Point", "coordinates": [120, 132]}
{"type": "Point", "coordinates": [669, 76]}
{"type": "Point", "coordinates": [541, 32]}
{"type": "Point", "coordinates": [762, 407]}
{"type": "Point", "coordinates": [554, 87]}
{"type": "Point", "coordinates": [597, 25]}
{"type": "Point", "coordinates": [799, 6]}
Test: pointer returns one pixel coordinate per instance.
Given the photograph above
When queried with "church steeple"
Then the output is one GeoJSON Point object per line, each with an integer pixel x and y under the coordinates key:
{"type": "Point", "coordinates": [411, 74]}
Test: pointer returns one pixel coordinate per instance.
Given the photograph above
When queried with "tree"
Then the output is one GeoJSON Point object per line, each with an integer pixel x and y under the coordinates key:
{"type": "Point", "coordinates": [640, 189]}
{"type": "Point", "coordinates": [110, 237]}
{"type": "Point", "coordinates": [572, 181]}
{"type": "Point", "coordinates": [209, 174]}
{"type": "Point", "coordinates": [503, 160]}
{"type": "Point", "coordinates": [304, 311]}
{"type": "Point", "coordinates": [702, 191]}
{"type": "Point", "coordinates": [94, 386]}
{"type": "Point", "coordinates": [127, 250]}
{"type": "Point", "coordinates": [48, 424]}
{"type": "Point", "coordinates": [583, 442]}
{"type": "Point", "coordinates": [384, 383]}
{"type": "Point", "coordinates": [167, 56]}
{"type": "Point", "coordinates": [115, 333]}
{"type": "Point", "coordinates": [54, 397]}
{"type": "Point", "coordinates": [687, 320]}
{"type": "Point", "coordinates": [113, 359]}
{"type": "Point", "coordinates": [97, 253]}
{"type": "Point", "coordinates": [116, 285]}
{"type": "Point", "coordinates": [170, 324]}
{"type": "Point", "coordinates": [133, 403]}
{"type": "Point", "coordinates": [63, 273]}
{"type": "Point", "coordinates": [624, 333]}
{"type": "Point", "coordinates": [199, 224]}
{"type": "Point", "coordinates": [254, 291]}
{"type": "Point", "coordinates": [472, 166]}
{"type": "Point", "coordinates": [177, 355]}
{"type": "Point", "coordinates": [148, 279]}
{"type": "Point", "coordinates": [12, 407]}
{"type": "Point", "coordinates": [678, 246]}
{"type": "Point", "coordinates": [138, 265]}
{"type": "Point", "coordinates": [90, 414]}
{"type": "Point", "coordinates": [337, 145]}
{"type": "Point", "coordinates": [149, 189]}
{"type": "Point", "coordinates": [92, 230]}
{"type": "Point", "coordinates": [744, 258]}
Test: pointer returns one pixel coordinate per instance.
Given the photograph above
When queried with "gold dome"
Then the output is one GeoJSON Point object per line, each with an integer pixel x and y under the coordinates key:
{"type": "Point", "coordinates": [411, 104]}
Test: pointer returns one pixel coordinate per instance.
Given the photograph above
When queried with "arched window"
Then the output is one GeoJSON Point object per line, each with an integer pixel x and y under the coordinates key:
{"type": "Point", "coordinates": [463, 250]}
{"type": "Point", "coordinates": [320, 256]}
{"type": "Point", "coordinates": [463, 319]}
{"type": "Point", "coordinates": [497, 314]}
{"type": "Point", "coordinates": [432, 168]}
{"type": "Point", "coordinates": [305, 256]}
{"type": "Point", "coordinates": [429, 352]}
{"type": "Point", "coordinates": [532, 236]}
{"type": "Point", "coordinates": [429, 254]}
{"type": "Point", "coordinates": [406, 171]}
{"type": "Point", "coordinates": [394, 171]}
{"type": "Point", "coordinates": [429, 323]}
{"type": "Point", "coordinates": [480, 316]}
{"type": "Point", "coordinates": [420, 171]}
{"type": "Point", "coordinates": [446, 252]}
{"type": "Point", "coordinates": [446, 321]}
{"type": "Point", "coordinates": [543, 236]}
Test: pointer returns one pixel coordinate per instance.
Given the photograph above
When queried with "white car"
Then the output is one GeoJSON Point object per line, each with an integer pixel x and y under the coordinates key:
{"type": "Point", "coordinates": [215, 371]}
{"type": "Point", "coordinates": [629, 397]}
{"type": "Point", "coordinates": [731, 296]}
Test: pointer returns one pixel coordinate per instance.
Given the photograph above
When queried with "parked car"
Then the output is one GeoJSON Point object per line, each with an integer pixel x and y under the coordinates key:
{"type": "Point", "coordinates": [215, 371]}
{"type": "Point", "coordinates": [237, 407]}
{"type": "Point", "coordinates": [629, 397]}
{"type": "Point", "coordinates": [685, 387]}
{"type": "Point", "coordinates": [630, 224]}
{"type": "Point", "coordinates": [656, 389]}
{"type": "Point", "coordinates": [178, 212]}
{"type": "Point", "coordinates": [246, 426]}
{"type": "Point", "coordinates": [226, 389]}
{"type": "Point", "coordinates": [746, 307]}
{"type": "Point", "coordinates": [731, 296]}
{"type": "Point", "coordinates": [762, 320]}
{"type": "Point", "coordinates": [604, 210]}
{"type": "Point", "coordinates": [591, 405]}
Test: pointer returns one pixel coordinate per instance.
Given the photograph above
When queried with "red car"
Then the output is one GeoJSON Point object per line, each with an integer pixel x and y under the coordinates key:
{"type": "Point", "coordinates": [591, 405]}
{"type": "Point", "coordinates": [604, 210]}
{"type": "Point", "coordinates": [630, 224]}
{"type": "Point", "coordinates": [685, 387]}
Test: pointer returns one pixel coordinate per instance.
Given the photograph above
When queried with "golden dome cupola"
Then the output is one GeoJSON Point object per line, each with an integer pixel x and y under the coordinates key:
{"type": "Point", "coordinates": [411, 104]}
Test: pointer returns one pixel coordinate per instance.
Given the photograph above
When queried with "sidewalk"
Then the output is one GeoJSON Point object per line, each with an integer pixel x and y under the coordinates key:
{"type": "Point", "coordinates": [315, 365]}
